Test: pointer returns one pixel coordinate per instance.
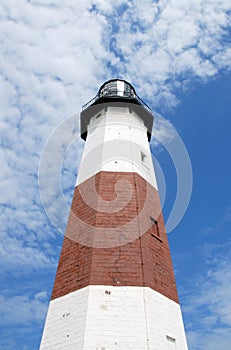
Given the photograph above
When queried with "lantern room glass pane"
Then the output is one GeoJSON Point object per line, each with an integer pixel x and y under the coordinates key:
{"type": "Point", "coordinates": [117, 88]}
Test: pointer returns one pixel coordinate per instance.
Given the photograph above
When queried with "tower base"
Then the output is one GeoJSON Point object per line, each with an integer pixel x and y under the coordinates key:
{"type": "Point", "coordinates": [110, 317]}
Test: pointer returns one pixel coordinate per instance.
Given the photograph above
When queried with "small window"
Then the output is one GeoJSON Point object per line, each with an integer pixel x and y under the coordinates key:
{"type": "Point", "coordinates": [171, 343]}
{"type": "Point", "coordinates": [143, 157]}
{"type": "Point", "coordinates": [155, 227]}
{"type": "Point", "coordinates": [170, 339]}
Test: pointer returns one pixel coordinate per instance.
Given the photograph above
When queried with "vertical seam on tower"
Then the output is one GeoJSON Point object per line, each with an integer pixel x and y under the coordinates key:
{"type": "Point", "coordinates": [142, 263]}
{"type": "Point", "coordinates": [95, 224]}
{"type": "Point", "coordinates": [141, 255]}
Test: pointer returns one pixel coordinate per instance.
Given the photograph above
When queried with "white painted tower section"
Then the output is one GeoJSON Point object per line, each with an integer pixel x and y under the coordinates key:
{"type": "Point", "coordinates": [114, 318]}
{"type": "Point", "coordinates": [117, 141]}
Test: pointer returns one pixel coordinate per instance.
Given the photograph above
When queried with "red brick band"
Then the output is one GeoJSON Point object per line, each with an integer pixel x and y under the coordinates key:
{"type": "Point", "coordinates": [145, 261]}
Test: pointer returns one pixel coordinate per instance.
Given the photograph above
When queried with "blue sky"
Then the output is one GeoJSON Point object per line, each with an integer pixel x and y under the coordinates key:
{"type": "Point", "coordinates": [54, 56]}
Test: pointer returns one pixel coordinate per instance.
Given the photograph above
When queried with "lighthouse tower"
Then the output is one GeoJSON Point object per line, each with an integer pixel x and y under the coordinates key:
{"type": "Point", "coordinates": [115, 286]}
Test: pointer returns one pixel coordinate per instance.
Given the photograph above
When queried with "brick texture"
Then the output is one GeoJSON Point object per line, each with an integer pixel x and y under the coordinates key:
{"type": "Point", "coordinates": [144, 261]}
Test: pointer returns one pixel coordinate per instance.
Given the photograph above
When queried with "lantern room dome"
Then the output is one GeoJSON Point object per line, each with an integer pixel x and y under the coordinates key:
{"type": "Point", "coordinates": [117, 88]}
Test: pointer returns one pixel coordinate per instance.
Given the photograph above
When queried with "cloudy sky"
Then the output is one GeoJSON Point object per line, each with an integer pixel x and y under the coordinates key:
{"type": "Point", "coordinates": [54, 56]}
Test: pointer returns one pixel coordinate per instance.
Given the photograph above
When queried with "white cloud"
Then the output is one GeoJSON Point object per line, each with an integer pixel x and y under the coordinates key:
{"type": "Point", "coordinates": [25, 252]}
{"type": "Point", "coordinates": [167, 39]}
{"type": "Point", "coordinates": [23, 310]}
{"type": "Point", "coordinates": [208, 306]}
{"type": "Point", "coordinates": [163, 132]}
{"type": "Point", "coordinates": [52, 57]}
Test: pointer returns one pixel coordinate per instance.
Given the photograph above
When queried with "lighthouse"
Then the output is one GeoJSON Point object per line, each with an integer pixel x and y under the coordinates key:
{"type": "Point", "coordinates": [115, 286]}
